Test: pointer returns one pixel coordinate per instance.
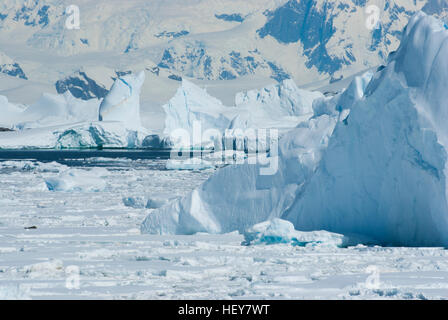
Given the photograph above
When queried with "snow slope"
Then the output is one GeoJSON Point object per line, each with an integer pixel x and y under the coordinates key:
{"type": "Point", "coordinates": [372, 160]}
{"type": "Point", "coordinates": [219, 41]}
{"type": "Point", "coordinates": [227, 46]}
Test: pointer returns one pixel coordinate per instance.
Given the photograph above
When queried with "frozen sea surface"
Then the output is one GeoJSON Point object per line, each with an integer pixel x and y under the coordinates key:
{"type": "Point", "coordinates": [87, 245]}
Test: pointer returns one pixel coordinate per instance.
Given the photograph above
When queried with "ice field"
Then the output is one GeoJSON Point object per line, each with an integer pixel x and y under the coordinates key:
{"type": "Point", "coordinates": [93, 234]}
{"type": "Point", "coordinates": [323, 179]}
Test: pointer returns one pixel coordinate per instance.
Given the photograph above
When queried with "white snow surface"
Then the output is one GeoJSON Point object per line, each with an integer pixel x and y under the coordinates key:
{"type": "Point", "coordinates": [373, 166]}
{"type": "Point", "coordinates": [94, 235]}
{"type": "Point", "coordinates": [139, 32]}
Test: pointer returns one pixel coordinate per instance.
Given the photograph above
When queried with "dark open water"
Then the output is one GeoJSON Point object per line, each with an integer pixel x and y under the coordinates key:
{"type": "Point", "coordinates": [92, 157]}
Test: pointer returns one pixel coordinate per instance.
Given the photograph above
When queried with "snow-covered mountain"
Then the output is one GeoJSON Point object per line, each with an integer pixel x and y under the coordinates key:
{"type": "Point", "coordinates": [307, 40]}
{"type": "Point", "coordinates": [10, 67]}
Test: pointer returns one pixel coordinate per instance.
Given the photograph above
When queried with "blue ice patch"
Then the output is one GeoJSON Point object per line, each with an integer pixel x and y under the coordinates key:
{"type": "Point", "coordinates": [127, 84]}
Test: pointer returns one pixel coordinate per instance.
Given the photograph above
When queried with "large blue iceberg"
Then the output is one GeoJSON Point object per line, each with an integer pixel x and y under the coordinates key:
{"type": "Point", "coordinates": [372, 161]}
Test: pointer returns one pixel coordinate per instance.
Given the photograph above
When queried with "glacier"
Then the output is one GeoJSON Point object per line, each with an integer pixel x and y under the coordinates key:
{"type": "Point", "coordinates": [370, 162]}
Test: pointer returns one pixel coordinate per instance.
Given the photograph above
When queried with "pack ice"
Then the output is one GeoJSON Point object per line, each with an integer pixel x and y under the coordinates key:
{"type": "Point", "coordinates": [62, 121]}
{"type": "Point", "coordinates": [371, 162]}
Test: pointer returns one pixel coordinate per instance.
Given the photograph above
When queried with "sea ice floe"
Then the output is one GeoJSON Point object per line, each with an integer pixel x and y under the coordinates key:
{"type": "Point", "coordinates": [78, 180]}
{"type": "Point", "coordinates": [278, 231]}
{"type": "Point", "coordinates": [189, 164]}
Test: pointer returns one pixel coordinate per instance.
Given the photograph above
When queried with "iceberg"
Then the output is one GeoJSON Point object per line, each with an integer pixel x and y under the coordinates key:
{"type": "Point", "coordinates": [62, 121]}
{"type": "Point", "coordinates": [122, 103]}
{"type": "Point", "coordinates": [76, 180]}
{"type": "Point", "coordinates": [278, 231]}
{"type": "Point", "coordinates": [383, 174]}
{"type": "Point", "coordinates": [371, 161]}
{"type": "Point", "coordinates": [275, 106]}
{"type": "Point", "coordinates": [238, 197]}
{"type": "Point", "coordinates": [49, 110]}
{"type": "Point", "coordinates": [279, 107]}
{"type": "Point", "coordinates": [194, 119]}
{"type": "Point", "coordinates": [190, 112]}
{"type": "Point", "coordinates": [75, 136]}
{"type": "Point", "coordinates": [143, 202]}
{"type": "Point", "coordinates": [54, 110]}
{"type": "Point", "coordinates": [10, 113]}
{"type": "Point", "coordinates": [134, 202]}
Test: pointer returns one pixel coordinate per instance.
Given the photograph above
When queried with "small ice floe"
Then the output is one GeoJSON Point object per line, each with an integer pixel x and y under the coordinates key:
{"type": "Point", "coordinates": [142, 202]}
{"type": "Point", "coordinates": [277, 231]}
{"type": "Point", "coordinates": [189, 164]}
{"type": "Point", "coordinates": [14, 292]}
{"type": "Point", "coordinates": [34, 166]}
{"type": "Point", "coordinates": [78, 180]}
{"type": "Point", "coordinates": [48, 269]}
{"type": "Point", "coordinates": [154, 203]}
{"type": "Point", "coordinates": [134, 202]}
